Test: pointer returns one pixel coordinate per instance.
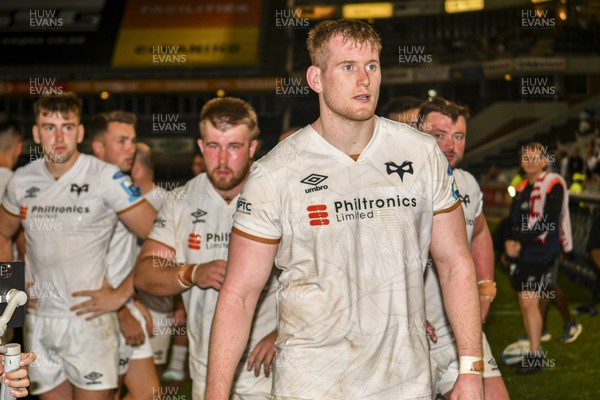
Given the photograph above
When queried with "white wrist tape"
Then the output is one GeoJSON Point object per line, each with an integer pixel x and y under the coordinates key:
{"type": "Point", "coordinates": [470, 365]}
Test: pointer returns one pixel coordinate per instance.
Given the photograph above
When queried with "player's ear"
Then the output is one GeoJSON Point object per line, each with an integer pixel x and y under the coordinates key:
{"type": "Point", "coordinates": [201, 145]}
{"type": "Point", "coordinates": [253, 146]}
{"type": "Point", "coordinates": [313, 77]}
{"type": "Point", "coordinates": [98, 149]}
{"type": "Point", "coordinates": [36, 134]}
{"type": "Point", "coordinates": [80, 133]}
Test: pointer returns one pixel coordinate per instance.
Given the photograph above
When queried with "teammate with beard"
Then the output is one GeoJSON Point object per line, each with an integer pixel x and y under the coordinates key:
{"type": "Point", "coordinates": [187, 248]}
{"type": "Point", "coordinates": [447, 123]}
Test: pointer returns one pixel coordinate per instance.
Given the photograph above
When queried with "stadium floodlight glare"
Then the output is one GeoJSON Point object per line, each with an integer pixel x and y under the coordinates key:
{"type": "Point", "coordinates": [458, 6]}
{"type": "Point", "coordinates": [368, 10]}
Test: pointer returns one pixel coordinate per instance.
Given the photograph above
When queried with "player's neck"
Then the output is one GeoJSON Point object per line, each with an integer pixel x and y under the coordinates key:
{"type": "Point", "coordinates": [144, 185]}
{"type": "Point", "coordinates": [534, 177]}
{"type": "Point", "coordinates": [59, 169]}
{"type": "Point", "coordinates": [6, 161]}
{"type": "Point", "coordinates": [229, 195]}
{"type": "Point", "coordinates": [350, 137]}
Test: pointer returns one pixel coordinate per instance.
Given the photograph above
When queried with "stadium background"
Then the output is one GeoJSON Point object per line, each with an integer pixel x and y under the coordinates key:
{"type": "Point", "coordinates": [529, 70]}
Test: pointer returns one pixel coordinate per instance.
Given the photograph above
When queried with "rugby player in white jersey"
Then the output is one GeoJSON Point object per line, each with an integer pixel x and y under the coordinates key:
{"type": "Point", "coordinates": [348, 208]}
{"type": "Point", "coordinates": [447, 123]}
{"type": "Point", "coordinates": [142, 174]}
{"type": "Point", "coordinates": [113, 137]}
{"type": "Point", "coordinates": [186, 250]}
{"type": "Point", "coordinates": [68, 204]}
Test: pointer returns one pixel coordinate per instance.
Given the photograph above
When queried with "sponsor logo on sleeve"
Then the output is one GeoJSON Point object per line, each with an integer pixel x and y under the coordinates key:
{"type": "Point", "coordinates": [159, 222]}
{"type": "Point", "coordinates": [132, 191]}
{"type": "Point", "coordinates": [243, 206]}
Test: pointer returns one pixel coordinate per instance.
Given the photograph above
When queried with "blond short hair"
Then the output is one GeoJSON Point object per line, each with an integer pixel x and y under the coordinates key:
{"type": "Point", "coordinates": [228, 112]}
{"type": "Point", "coordinates": [360, 33]}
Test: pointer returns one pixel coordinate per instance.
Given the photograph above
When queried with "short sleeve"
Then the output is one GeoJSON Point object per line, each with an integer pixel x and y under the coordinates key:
{"type": "Point", "coordinates": [445, 190]}
{"type": "Point", "coordinates": [119, 192]}
{"type": "Point", "coordinates": [9, 200]}
{"type": "Point", "coordinates": [257, 215]}
{"type": "Point", "coordinates": [478, 199]}
{"type": "Point", "coordinates": [164, 226]}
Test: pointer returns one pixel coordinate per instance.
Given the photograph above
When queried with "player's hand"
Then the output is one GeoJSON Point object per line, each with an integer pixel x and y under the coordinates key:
{"type": "Point", "coordinates": [467, 387]}
{"type": "Point", "coordinates": [147, 316]}
{"type": "Point", "coordinates": [179, 317]}
{"type": "Point", "coordinates": [31, 300]}
{"type": "Point", "coordinates": [263, 354]}
{"type": "Point", "coordinates": [512, 248]}
{"type": "Point", "coordinates": [484, 303]}
{"type": "Point", "coordinates": [130, 328]}
{"type": "Point", "coordinates": [210, 274]}
{"type": "Point", "coordinates": [102, 301]}
{"type": "Point", "coordinates": [19, 380]}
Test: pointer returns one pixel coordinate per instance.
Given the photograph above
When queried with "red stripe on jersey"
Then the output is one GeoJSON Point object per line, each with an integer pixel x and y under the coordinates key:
{"type": "Point", "coordinates": [317, 207]}
{"type": "Point", "coordinates": [318, 215]}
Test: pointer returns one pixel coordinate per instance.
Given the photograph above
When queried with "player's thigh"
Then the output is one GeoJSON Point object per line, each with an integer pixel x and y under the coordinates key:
{"type": "Point", "coordinates": [141, 379]}
{"type": "Point", "coordinates": [82, 394]}
{"type": "Point", "coordinates": [64, 391]}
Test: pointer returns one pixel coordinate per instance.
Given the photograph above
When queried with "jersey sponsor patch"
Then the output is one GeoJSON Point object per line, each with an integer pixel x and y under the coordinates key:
{"type": "Point", "coordinates": [118, 175]}
{"type": "Point", "coordinates": [132, 190]}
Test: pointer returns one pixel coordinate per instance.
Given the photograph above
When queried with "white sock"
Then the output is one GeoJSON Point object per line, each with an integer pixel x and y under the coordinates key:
{"type": "Point", "coordinates": [178, 354]}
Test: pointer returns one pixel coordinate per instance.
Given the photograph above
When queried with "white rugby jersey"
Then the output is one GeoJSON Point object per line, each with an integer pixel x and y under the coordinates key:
{"type": "Point", "coordinates": [353, 242]}
{"type": "Point", "coordinates": [68, 224]}
{"type": "Point", "coordinates": [5, 175]}
{"type": "Point", "coordinates": [196, 223]}
{"type": "Point", "coordinates": [472, 204]}
{"type": "Point", "coordinates": [156, 197]}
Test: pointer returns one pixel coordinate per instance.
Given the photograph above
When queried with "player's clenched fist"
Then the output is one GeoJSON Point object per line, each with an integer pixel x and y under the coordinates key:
{"type": "Point", "coordinates": [207, 275]}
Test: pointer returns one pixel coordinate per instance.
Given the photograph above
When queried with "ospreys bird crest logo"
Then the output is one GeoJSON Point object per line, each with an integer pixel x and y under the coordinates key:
{"type": "Point", "coordinates": [406, 167]}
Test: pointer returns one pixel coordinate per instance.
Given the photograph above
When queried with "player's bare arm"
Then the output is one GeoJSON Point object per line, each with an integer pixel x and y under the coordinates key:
{"type": "Point", "coordinates": [245, 280]}
{"type": "Point", "coordinates": [456, 271]}
{"type": "Point", "coordinates": [483, 256]}
{"type": "Point", "coordinates": [157, 271]}
{"type": "Point", "coordinates": [138, 219]}
{"type": "Point", "coordinates": [9, 225]}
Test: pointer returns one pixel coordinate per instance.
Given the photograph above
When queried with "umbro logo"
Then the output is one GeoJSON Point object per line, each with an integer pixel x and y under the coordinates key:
{"type": "Point", "coordinates": [78, 189]}
{"type": "Point", "coordinates": [198, 214]}
{"type": "Point", "coordinates": [465, 199]}
{"type": "Point", "coordinates": [314, 180]}
{"type": "Point", "coordinates": [93, 377]}
{"type": "Point", "coordinates": [123, 362]}
{"type": "Point", "coordinates": [32, 192]}
{"type": "Point", "coordinates": [405, 168]}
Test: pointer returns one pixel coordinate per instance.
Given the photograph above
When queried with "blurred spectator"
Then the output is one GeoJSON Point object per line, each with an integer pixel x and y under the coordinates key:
{"type": "Point", "coordinates": [593, 246]}
{"type": "Point", "coordinates": [574, 164]}
{"type": "Point", "coordinates": [198, 164]}
{"type": "Point", "coordinates": [590, 159]}
{"type": "Point", "coordinates": [494, 174]}
{"type": "Point", "coordinates": [562, 160]}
